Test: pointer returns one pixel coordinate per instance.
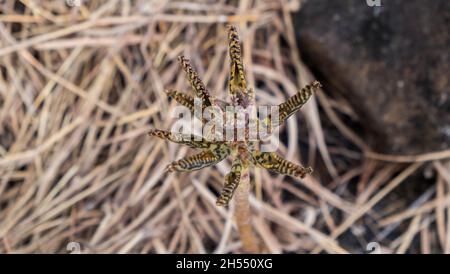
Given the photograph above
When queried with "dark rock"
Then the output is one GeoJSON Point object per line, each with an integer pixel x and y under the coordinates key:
{"type": "Point", "coordinates": [391, 62]}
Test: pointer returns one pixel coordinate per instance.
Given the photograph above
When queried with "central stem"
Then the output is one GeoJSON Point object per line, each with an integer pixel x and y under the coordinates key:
{"type": "Point", "coordinates": [243, 214]}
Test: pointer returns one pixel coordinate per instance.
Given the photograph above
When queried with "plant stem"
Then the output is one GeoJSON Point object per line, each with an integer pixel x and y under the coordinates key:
{"type": "Point", "coordinates": [242, 213]}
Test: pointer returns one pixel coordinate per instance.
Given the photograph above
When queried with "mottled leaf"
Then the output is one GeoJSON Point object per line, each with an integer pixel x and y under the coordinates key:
{"type": "Point", "coordinates": [274, 162]}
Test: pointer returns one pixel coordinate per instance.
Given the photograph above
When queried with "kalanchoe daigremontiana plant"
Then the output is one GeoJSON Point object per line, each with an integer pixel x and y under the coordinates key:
{"type": "Point", "coordinates": [244, 152]}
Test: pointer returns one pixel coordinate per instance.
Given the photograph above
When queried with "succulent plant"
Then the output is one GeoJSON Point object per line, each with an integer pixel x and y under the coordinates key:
{"type": "Point", "coordinates": [244, 152]}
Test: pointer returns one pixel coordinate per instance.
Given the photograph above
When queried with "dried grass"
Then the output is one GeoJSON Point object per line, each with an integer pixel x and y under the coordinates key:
{"type": "Point", "coordinates": [80, 87]}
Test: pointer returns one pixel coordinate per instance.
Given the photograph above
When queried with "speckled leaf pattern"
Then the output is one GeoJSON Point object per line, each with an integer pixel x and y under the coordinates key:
{"type": "Point", "coordinates": [195, 81]}
{"type": "Point", "coordinates": [189, 140]}
{"type": "Point", "coordinates": [237, 82]}
{"type": "Point", "coordinates": [295, 102]}
{"type": "Point", "coordinates": [276, 163]}
{"type": "Point", "coordinates": [197, 161]}
{"type": "Point", "coordinates": [231, 183]}
{"type": "Point", "coordinates": [182, 99]}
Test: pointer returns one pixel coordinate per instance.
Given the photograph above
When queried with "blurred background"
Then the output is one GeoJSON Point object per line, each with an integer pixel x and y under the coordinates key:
{"type": "Point", "coordinates": [81, 82]}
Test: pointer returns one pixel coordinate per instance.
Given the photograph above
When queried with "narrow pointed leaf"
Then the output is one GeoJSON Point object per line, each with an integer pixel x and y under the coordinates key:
{"type": "Point", "coordinates": [187, 101]}
{"type": "Point", "coordinates": [182, 99]}
{"type": "Point", "coordinates": [195, 162]}
{"type": "Point", "coordinates": [196, 83]}
{"type": "Point", "coordinates": [185, 139]}
{"type": "Point", "coordinates": [295, 102]}
{"type": "Point", "coordinates": [231, 183]}
{"type": "Point", "coordinates": [237, 81]}
{"type": "Point", "coordinates": [274, 162]}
